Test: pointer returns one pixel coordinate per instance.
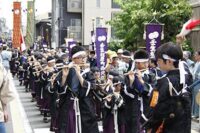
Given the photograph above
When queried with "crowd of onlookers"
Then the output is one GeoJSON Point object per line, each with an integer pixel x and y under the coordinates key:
{"type": "Point", "coordinates": [193, 61]}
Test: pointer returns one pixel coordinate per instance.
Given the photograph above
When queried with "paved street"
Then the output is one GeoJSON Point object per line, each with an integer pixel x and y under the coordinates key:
{"type": "Point", "coordinates": [27, 119]}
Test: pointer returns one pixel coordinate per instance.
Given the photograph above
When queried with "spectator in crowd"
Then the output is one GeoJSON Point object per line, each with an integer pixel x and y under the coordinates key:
{"type": "Point", "coordinates": [6, 95]}
{"type": "Point", "coordinates": [120, 53]}
{"type": "Point", "coordinates": [186, 56]}
{"type": "Point", "coordinates": [6, 57]}
{"type": "Point", "coordinates": [92, 59]}
{"type": "Point", "coordinates": [195, 86]}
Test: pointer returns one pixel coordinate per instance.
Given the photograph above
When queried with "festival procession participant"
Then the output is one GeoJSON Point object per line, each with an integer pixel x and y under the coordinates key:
{"type": "Point", "coordinates": [153, 67]}
{"type": "Point", "coordinates": [14, 62]}
{"type": "Point", "coordinates": [102, 90]}
{"type": "Point", "coordinates": [21, 70]}
{"type": "Point", "coordinates": [171, 101]}
{"type": "Point", "coordinates": [113, 121]}
{"type": "Point", "coordinates": [76, 109]}
{"type": "Point", "coordinates": [32, 77]}
{"type": "Point", "coordinates": [99, 93]}
{"type": "Point", "coordinates": [126, 57]}
{"type": "Point", "coordinates": [37, 77]}
{"type": "Point", "coordinates": [46, 75]}
{"type": "Point", "coordinates": [26, 74]}
{"type": "Point", "coordinates": [137, 90]}
{"type": "Point", "coordinates": [53, 95]}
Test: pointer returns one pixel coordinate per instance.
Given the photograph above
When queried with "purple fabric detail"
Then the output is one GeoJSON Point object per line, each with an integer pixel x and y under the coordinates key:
{"type": "Point", "coordinates": [54, 123]}
{"type": "Point", "coordinates": [101, 47]}
{"type": "Point", "coordinates": [139, 86]}
{"type": "Point", "coordinates": [122, 129]}
{"type": "Point", "coordinates": [109, 126]}
{"type": "Point", "coordinates": [153, 38]}
{"type": "Point", "coordinates": [46, 104]}
{"type": "Point", "coordinates": [71, 119]}
{"type": "Point", "coordinates": [32, 85]}
{"type": "Point", "coordinates": [71, 44]}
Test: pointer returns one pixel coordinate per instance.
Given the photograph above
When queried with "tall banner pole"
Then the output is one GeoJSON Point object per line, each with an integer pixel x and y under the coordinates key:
{"type": "Point", "coordinates": [30, 23]}
{"type": "Point", "coordinates": [16, 42]}
{"type": "Point", "coordinates": [101, 48]}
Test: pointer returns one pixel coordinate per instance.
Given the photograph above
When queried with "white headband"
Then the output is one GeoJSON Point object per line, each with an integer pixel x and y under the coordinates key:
{"type": "Point", "coordinates": [117, 83]}
{"type": "Point", "coordinates": [124, 56]}
{"type": "Point", "coordinates": [166, 57]}
{"type": "Point", "coordinates": [181, 68]}
{"type": "Point", "coordinates": [141, 60]}
{"type": "Point", "coordinates": [50, 61]}
{"type": "Point", "coordinates": [78, 54]}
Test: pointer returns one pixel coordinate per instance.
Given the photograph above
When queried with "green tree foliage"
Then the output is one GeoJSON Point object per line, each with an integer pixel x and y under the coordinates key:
{"type": "Point", "coordinates": [129, 23]}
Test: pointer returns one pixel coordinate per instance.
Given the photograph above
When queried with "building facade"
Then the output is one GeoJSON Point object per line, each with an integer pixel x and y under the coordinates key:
{"type": "Point", "coordinates": [78, 18]}
{"type": "Point", "coordinates": [4, 32]}
{"type": "Point", "coordinates": [43, 28]}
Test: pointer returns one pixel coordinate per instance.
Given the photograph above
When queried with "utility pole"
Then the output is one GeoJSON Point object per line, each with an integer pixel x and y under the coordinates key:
{"type": "Point", "coordinates": [55, 23]}
{"type": "Point", "coordinates": [61, 22]}
{"type": "Point", "coordinates": [83, 24]}
{"type": "Point", "coordinates": [34, 22]}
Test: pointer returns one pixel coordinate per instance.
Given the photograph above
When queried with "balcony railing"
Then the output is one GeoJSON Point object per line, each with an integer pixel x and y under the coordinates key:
{"type": "Point", "coordinates": [74, 5]}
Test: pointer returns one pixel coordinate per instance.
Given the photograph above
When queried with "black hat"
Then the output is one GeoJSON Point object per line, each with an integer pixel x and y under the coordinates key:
{"type": "Point", "coordinates": [95, 69]}
{"type": "Point", "coordinates": [59, 60]}
{"type": "Point", "coordinates": [92, 52]}
{"type": "Point", "coordinates": [141, 56]}
{"type": "Point", "coordinates": [116, 81]}
{"type": "Point", "coordinates": [76, 51]}
{"type": "Point", "coordinates": [50, 59]}
{"type": "Point", "coordinates": [126, 54]}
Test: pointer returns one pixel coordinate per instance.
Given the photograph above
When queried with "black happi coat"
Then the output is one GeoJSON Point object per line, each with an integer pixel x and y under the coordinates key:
{"type": "Point", "coordinates": [131, 109]}
{"type": "Point", "coordinates": [131, 95]}
{"type": "Point", "coordinates": [73, 88]}
{"type": "Point", "coordinates": [173, 111]}
{"type": "Point", "coordinates": [87, 104]}
{"type": "Point", "coordinates": [108, 115]}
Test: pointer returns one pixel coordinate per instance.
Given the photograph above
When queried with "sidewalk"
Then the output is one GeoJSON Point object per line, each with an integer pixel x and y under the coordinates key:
{"type": "Point", "coordinates": [26, 118]}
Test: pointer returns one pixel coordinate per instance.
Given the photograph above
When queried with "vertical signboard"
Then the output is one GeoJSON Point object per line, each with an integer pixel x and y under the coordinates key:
{"type": "Point", "coordinates": [153, 38]}
{"type": "Point", "coordinates": [101, 48]}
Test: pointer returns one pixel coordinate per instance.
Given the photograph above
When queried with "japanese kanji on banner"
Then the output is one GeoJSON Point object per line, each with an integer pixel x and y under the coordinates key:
{"type": "Point", "coordinates": [153, 37]}
{"type": "Point", "coordinates": [101, 48]}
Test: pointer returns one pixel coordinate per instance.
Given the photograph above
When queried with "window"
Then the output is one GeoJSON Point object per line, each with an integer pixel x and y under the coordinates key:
{"type": "Point", "coordinates": [98, 3]}
{"type": "Point", "coordinates": [98, 22]}
{"type": "Point", "coordinates": [74, 5]}
{"type": "Point", "coordinates": [75, 22]}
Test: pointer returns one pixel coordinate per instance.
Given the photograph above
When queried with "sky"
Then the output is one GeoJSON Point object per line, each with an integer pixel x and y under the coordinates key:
{"type": "Point", "coordinates": [6, 7]}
